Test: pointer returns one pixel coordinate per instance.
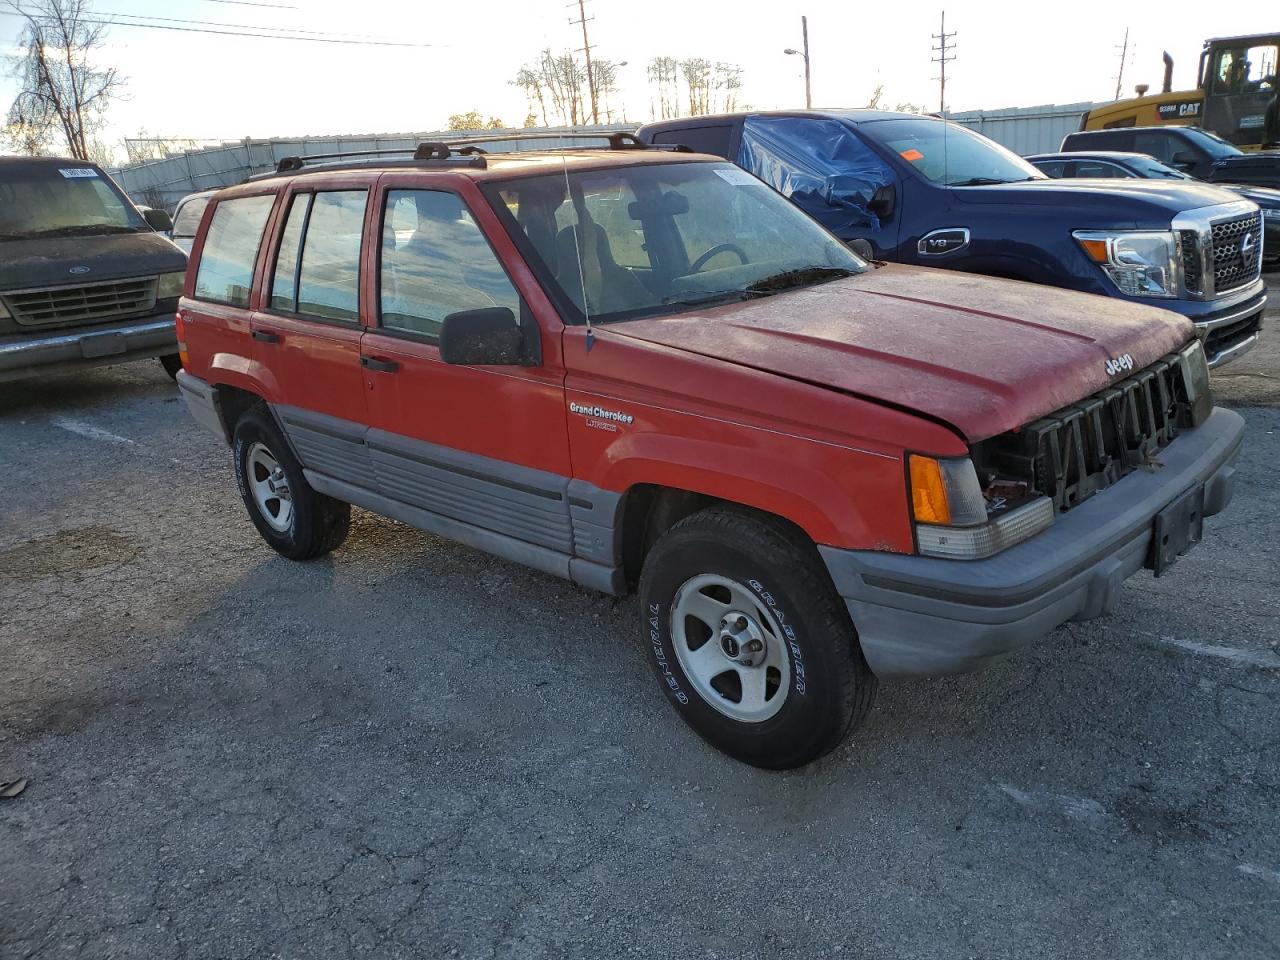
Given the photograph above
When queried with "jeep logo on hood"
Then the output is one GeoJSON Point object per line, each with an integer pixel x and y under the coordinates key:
{"type": "Point", "coordinates": [1117, 364]}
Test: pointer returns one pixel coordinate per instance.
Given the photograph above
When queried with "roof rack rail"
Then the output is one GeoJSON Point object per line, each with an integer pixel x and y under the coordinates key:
{"type": "Point", "coordinates": [468, 147]}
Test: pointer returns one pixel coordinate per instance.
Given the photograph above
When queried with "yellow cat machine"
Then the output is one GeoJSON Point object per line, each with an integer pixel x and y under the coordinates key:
{"type": "Point", "coordinates": [1236, 95]}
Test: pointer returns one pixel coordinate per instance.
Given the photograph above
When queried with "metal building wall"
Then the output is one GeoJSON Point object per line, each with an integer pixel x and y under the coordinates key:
{"type": "Point", "coordinates": [1027, 130]}
{"type": "Point", "coordinates": [164, 182]}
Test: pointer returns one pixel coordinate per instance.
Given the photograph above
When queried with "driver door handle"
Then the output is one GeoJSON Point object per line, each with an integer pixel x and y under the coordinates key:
{"type": "Point", "coordinates": [266, 336]}
{"type": "Point", "coordinates": [375, 363]}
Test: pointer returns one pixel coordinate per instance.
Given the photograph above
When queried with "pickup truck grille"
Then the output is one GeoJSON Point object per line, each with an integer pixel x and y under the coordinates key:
{"type": "Point", "coordinates": [1235, 261]}
{"type": "Point", "coordinates": [1081, 449]}
{"type": "Point", "coordinates": [89, 303]}
{"type": "Point", "coordinates": [1192, 277]}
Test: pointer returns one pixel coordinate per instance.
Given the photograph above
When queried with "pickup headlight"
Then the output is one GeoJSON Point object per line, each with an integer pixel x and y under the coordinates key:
{"type": "Point", "coordinates": [951, 516]}
{"type": "Point", "coordinates": [170, 285]}
{"type": "Point", "coordinates": [1139, 263]}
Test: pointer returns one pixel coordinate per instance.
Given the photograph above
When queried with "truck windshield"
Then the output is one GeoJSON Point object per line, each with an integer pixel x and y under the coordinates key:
{"type": "Point", "coordinates": [949, 154]}
{"type": "Point", "coordinates": [1212, 144]}
{"type": "Point", "coordinates": [628, 242]}
{"type": "Point", "coordinates": [66, 200]}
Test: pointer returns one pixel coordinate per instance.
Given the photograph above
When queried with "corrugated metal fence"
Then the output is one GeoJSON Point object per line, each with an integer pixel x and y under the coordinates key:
{"type": "Point", "coordinates": [1027, 130]}
{"type": "Point", "coordinates": [162, 183]}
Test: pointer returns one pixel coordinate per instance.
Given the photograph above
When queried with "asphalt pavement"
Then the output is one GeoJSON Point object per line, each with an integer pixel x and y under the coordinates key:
{"type": "Point", "coordinates": [411, 749]}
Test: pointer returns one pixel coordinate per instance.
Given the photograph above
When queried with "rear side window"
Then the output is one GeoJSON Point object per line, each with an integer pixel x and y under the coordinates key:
{"type": "Point", "coordinates": [187, 220]}
{"type": "Point", "coordinates": [1098, 168]}
{"type": "Point", "coordinates": [436, 261]}
{"type": "Point", "coordinates": [318, 265]}
{"type": "Point", "coordinates": [225, 274]}
{"type": "Point", "coordinates": [709, 139]}
{"type": "Point", "coordinates": [1159, 145]}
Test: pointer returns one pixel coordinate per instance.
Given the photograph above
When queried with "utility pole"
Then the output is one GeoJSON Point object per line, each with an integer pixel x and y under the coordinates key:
{"type": "Point", "coordinates": [586, 51]}
{"type": "Point", "coordinates": [943, 46]}
{"type": "Point", "coordinates": [1124, 53]}
{"type": "Point", "coordinates": [804, 30]}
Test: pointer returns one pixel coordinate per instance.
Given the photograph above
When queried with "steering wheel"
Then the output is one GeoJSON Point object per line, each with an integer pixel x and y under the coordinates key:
{"type": "Point", "coordinates": [718, 248]}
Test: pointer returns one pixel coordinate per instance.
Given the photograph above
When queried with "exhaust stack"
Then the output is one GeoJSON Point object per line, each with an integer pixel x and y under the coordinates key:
{"type": "Point", "coordinates": [1168, 73]}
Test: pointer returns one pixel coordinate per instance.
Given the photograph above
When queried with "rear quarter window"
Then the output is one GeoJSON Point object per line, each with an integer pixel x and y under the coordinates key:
{"type": "Point", "coordinates": [712, 139]}
{"type": "Point", "coordinates": [187, 220]}
{"type": "Point", "coordinates": [225, 274]}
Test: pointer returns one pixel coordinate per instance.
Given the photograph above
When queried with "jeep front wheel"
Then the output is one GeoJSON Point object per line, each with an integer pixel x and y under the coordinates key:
{"type": "Point", "coordinates": [750, 642]}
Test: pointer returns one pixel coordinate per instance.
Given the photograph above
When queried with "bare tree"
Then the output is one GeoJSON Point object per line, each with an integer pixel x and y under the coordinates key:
{"type": "Point", "coordinates": [726, 84]}
{"type": "Point", "coordinates": [555, 83]}
{"type": "Point", "coordinates": [877, 97]}
{"type": "Point", "coordinates": [697, 78]}
{"type": "Point", "coordinates": [663, 73]}
{"type": "Point", "coordinates": [60, 91]}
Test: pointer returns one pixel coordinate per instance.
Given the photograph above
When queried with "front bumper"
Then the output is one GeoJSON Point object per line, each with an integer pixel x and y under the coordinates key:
{"type": "Point", "coordinates": [1230, 325]}
{"type": "Point", "coordinates": [30, 354]}
{"type": "Point", "coordinates": [920, 616]}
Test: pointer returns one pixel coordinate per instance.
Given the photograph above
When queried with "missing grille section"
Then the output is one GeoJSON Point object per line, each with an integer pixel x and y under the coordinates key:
{"type": "Point", "coordinates": [1086, 447]}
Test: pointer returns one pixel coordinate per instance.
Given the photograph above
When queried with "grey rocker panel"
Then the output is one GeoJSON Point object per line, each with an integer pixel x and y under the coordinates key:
{"type": "Point", "coordinates": [547, 521]}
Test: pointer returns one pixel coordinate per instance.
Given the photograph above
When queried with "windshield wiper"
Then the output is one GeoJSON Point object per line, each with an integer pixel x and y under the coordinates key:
{"type": "Point", "coordinates": [700, 299]}
{"type": "Point", "coordinates": [802, 277]}
{"type": "Point", "coordinates": [83, 230]}
{"type": "Point", "coordinates": [986, 181]}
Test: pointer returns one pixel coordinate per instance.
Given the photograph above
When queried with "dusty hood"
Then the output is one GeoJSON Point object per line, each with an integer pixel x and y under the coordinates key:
{"type": "Point", "coordinates": [983, 355]}
{"type": "Point", "coordinates": [47, 262]}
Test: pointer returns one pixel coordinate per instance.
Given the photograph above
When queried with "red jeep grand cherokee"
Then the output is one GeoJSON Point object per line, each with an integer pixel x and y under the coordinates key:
{"type": "Point", "coordinates": [647, 370]}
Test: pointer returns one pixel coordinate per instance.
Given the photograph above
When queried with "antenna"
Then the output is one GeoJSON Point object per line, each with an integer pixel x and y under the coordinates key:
{"type": "Point", "coordinates": [577, 251]}
{"type": "Point", "coordinates": [943, 46]}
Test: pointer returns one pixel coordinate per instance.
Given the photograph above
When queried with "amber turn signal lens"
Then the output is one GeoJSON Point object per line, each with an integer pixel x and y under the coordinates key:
{"type": "Point", "coordinates": [1096, 249]}
{"type": "Point", "coordinates": [928, 491]}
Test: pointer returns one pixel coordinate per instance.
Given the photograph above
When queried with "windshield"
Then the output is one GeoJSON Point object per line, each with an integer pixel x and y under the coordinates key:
{"type": "Point", "coordinates": [53, 199]}
{"type": "Point", "coordinates": [1212, 143]}
{"type": "Point", "coordinates": [1153, 169]}
{"type": "Point", "coordinates": [658, 238]}
{"type": "Point", "coordinates": [949, 154]}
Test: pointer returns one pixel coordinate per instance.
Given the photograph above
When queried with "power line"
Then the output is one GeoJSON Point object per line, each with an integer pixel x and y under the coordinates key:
{"type": "Point", "coordinates": [247, 3]}
{"type": "Point", "coordinates": [240, 33]}
{"type": "Point", "coordinates": [237, 26]}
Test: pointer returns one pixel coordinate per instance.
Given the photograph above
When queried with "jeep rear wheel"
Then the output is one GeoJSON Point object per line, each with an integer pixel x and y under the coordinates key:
{"type": "Point", "coordinates": [750, 642]}
{"type": "Point", "coordinates": [295, 520]}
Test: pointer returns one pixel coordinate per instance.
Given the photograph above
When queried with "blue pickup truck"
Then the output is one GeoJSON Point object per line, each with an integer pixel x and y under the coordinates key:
{"type": "Point", "coordinates": [924, 191]}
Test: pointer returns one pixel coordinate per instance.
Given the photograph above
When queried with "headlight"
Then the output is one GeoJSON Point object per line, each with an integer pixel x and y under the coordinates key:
{"type": "Point", "coordinates": [1140, 264]}
{"type": "Point", "coordinates": [171, 285]}
{"type": "Point", "coordinates": [951, 515]}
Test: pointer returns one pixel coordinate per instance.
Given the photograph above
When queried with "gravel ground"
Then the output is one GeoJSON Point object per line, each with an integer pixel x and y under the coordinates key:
{"type": "Point", "coordinates": [410, 749]}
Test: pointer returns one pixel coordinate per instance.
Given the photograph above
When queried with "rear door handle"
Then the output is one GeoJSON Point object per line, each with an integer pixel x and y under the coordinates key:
{"type": "Point", "coordinates": [373, 363]}
{"type": "Point", "coordinates": [266, 336]}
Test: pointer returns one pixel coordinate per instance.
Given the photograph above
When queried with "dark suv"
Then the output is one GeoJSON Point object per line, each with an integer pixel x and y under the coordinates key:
{"type": "Point", "coordinates": [85, 278]}
{"type": "Point", "coordinates": [1203, 155]}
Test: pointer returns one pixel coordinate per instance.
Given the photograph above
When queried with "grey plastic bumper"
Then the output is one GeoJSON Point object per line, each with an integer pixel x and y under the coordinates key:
{"type": "Point", "coordinates": [919, 616]}
{"type": "Point", "coordinates": [202, 403]}
{"type": "Point", "coordinates": [29, 354]}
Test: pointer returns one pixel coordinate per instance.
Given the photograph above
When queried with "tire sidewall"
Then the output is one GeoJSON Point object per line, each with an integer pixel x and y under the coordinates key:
{"type": "Point", "coordinates": [256, 426]}
{"type": "Point", "coordinates": [814, 697]}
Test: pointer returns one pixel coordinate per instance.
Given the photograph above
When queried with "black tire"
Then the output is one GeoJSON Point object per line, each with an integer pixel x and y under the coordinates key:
{"type": "Point", "coordinates": [172, 363]}
{"type": "Point", "coordinates": [830, 689]}
{"type": "Point", "coordinates": [316, 523]}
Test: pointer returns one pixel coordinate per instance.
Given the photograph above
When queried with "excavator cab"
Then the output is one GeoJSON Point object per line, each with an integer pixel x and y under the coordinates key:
{"type": "Point", "coordinates": [1239, 78]}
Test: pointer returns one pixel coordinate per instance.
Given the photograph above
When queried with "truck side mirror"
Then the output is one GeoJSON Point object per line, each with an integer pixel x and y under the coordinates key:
{"type": "Point", "coordinates": [157, 220]}
{"type": "Point", "coordinates": [883, 201]}
{"type": "Point", "coordinates": [488, 336]}
{"type": "Point", "coordinates": [1183, 160]}
{"type": "Point", "coordinates": [862, 248]}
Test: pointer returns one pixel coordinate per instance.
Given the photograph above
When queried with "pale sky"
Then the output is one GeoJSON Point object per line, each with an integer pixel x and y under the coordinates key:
{"type": "Point", "coordinates": [1008, 54]}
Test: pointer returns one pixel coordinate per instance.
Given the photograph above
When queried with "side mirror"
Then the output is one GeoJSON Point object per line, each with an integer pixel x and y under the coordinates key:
{"type": "Point", "coordinates": [489, 336]}
{"type": "Point", "coordinates": [883, 201]}
{"type": "Point", "coordinates": [862, 248]}
{"type": "Point", "coordinates": [158, 220]}
{"type": "Point", "coordinates": [1183, 161]}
